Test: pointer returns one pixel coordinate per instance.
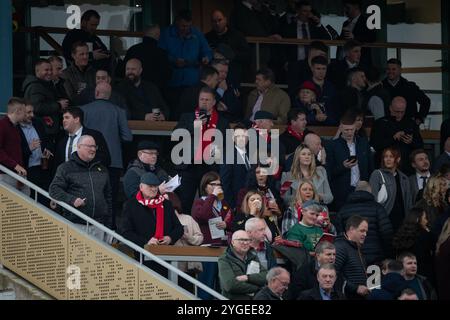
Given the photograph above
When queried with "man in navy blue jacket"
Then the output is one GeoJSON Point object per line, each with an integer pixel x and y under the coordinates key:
{"type": "Point", "coordinates": [349, 160]}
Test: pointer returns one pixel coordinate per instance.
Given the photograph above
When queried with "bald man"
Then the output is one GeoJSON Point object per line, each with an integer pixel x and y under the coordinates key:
{"type": "Point", "coordinates": [398, 131]}
{"type": "Point", "coordinates": [241, 274]}
{"type": "Point", "coordinates": [104, 116]}
{"type": "Point", "coordinates": [144, 100]}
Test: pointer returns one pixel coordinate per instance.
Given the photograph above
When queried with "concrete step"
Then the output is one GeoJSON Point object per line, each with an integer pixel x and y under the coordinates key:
{"type": "Point", "coordinates": [13, 287]}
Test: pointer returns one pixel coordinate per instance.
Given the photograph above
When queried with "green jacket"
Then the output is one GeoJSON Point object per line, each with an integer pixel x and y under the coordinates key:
{"type": "Point", "coordinates": [230, 266]}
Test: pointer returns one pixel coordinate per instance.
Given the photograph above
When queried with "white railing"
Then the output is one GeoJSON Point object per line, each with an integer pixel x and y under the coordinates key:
{"type": "Point", "coordinates": [114, 235]}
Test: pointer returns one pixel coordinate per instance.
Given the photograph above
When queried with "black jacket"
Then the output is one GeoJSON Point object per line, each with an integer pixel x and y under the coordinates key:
{"type": "Point", "coordinates": [314, 294]}
{"type": "Point", "coordinates": [139, 222]}
{"type": "Point", "coordinates": [46, 143]}
{"type": "Point", "coordinates": [351, 264]}
{"type": "Point", "coordinates": [377, 244]}
{"type": "Point", "coordinates": [266, 294]}
{"type": "Point", "coordinates": [189, 99]}
{"type": "Point", "coordinates": [338, 70]}
{"type": "Point", "coordinates": [413, 95]}
{"type": "Point", "coordinates": [290, 143]}
{"type": "Point", "coordinates": [155, 62]}
{"type": "Point", "coordinates": [392, 286]}
{"type": "Point", "coordinates": [78, 179]}
{"type": "Point", "coordinates": [102, 153]}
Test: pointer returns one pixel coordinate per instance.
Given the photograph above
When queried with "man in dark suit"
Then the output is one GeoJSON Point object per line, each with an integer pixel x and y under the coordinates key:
{"type": "Point", "coordinates": [296, 130]}
{"type": "Point", "coordinates": [349, 160]}
{"type": "Point", "coordinates": [324, 290]}
{"type": "Point", "coordinates": [421, 164]}
{"type": "Point", "coordinates": [192, 168]}
{"type": "Point", "coordinates": [444, 158]}
{"type": "Point", "coordinates": [74, 129]}
{"type": "Point", "coordinates": [233, 174]}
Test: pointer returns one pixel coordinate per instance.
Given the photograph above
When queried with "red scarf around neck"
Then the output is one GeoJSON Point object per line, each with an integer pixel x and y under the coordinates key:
{"type": "Point", "coordinates": [299, 213]}
{"type": "Point", "coordinates": [155, 203]}
{"type": "Point", "coordinates": [211, 124]}
{"type": "Point", "coordinates": [295, 134]}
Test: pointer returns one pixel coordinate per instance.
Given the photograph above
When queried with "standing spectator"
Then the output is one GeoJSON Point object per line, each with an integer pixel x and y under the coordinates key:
{"type": "Point", "coordinates": [241, 274]}
{"type": "Point", "coordinates": [187, 49]}
{"type": "Point", "coordinates": [398, 131]}
{"type": "Point", "coordinates": [222, 35]}
{"type": "Point", "coordinates": [355, 27]}
{"type": "Point", "coordinates": [304, 167]}
{"type": "Point", "coordinates": [10, 150]}
{"type": "Point", "coordinates": [99, 55]}
{"type": "Point", "coordinates": [80, 74]}
{"type": "Point", "coordinates": [295, 131]}
{"type": "Point", "coordinates": [111, 121]}
{"type": "Point", "coordinates": [267, 97]}
{"type": "Point", "coordinates": [434, 201]}
{"type": "Point", "coordinates": [414, 236]}
{"type": "Point", "coordinates": [155, 62]}
{"type": "Point", "coordinates": [57, 71]}
{"type": "Point", "coordinates": [349, 160]}
{"type": "Point", "coordinates": [398, 190]}
{"type": "Point", "coordinates": [146, 161]}
{"type": "Point", "coordinates": [392, 283]}
{"type": "Point", "coordinates": [415, 281]}
{"type": "Point", "coordinates": [379, 236]}
{"type": "Point", "coordinates": [349, 258]}
{"type": "Point", "coordinates": [324, 290]}
{"type": "Point", "coordinates": [338, 70]}
{"type": "Point", "coordinates": [396, 85]}
{"type": "Point", "coordinates": [39, 89]}
{"type": "Point", "coordinates": [444, 158]}
{"type": "Point", "coordinates": [142, 97]}
{"type": "Point", "coordinates": [278, 280]}
{"type": "Point", "coordinates": [256, 229]}
{"type": "Point", "coordinates": [377, 97]}
{"type": "Point", "coordinates": [232, 174]}
{"type": "Point", "coordinates": [354, 93]}
{"type": "Point", "coordinates": [443, 262]}
{"type": "Point", "coordinates": [83, 183]}
{"type": "Point", "coordinates": [418, 181]}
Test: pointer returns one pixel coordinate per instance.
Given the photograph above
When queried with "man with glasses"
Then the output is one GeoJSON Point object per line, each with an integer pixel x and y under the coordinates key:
{"type": "Point", "coordinates": [241, 274]}
{"type": "Point", "coordinates": [83, 182]}
{"type": "Point", "coordinates": [147, 161]}
{"type": "Point", "coordinates": [278, 280]}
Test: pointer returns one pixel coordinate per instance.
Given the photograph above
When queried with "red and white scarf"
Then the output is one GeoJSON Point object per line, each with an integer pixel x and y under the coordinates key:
{"type": "Point", "coordinates": [299, 213]}
{"type": "Point", "coordinates": [205, 144]}
{"type": "Point", "coordinates": [295, 134]}
{"type": "Point", "coordinates": [155, 203]}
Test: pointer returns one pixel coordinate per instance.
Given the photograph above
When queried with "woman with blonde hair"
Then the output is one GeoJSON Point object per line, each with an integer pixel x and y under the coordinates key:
{"type": "Point", "coordinates": [433, 199]}
{"type": "Point", "coordinates": [304, 168]}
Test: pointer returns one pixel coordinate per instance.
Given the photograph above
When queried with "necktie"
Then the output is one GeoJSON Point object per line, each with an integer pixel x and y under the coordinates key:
{"type": "Point", "coordinates": [69, 151]}
{"type": "Point", "coordinates": [305, 36]}
{"type": "Point", "coordinates": [247, 164]}
{"type": "Point", "coordinates": [424, 182]}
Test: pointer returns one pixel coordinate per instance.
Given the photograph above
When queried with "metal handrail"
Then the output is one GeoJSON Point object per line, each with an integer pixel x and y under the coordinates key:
{"type": "Point", "coordinates": [132, 245]}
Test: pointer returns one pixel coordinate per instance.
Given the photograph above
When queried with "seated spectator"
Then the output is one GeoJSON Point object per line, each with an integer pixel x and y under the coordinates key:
{"type": "Point", "coordinates": [379, 236]}
{"type": "Point", "coordinates": [155, 62]}
{"type": "Point", "coordinates": [349, 160]}
{"type": "Point", "coordinates": [304, 167]}
{"type": "Point", "coordinates": [253, 205]}
{"type": "Point", "coordinates": [392, 283]}
{"type": "Point", "coordinates": [443, 262]}
{"type": "Point", "coordinates": [444, 158]}
{"type": "Point", "coordinates": [209, 77]}
{"type": "Point", "coordinates": [355, 27]}
{"type": "Point", "coordinates": [278, 280]}
{"type": "Point", "coordinates": [147, 161]}
{"type": "Point", "coordinates": [57, 71]}
{"type": "Point", "coordinates": [414, 236]}
{"type": "Point", "coordinates": [415, 281]}
{"type": "Point", "coordinates": [83, 182]}
{"type": "Point", "coordinates": [73, 130]}
{"type": "Point", "coordinates": [305, 277]}
{"type": "Point", "coordinates": [295, 132]}
{"type": "Point", "coordinates": [353, 94]}
{"type": "Point", "coordinates": [324, 289]}
{"type": "Point", "coordinates": [231, 174]}
{"type": "Point", "coordinates": [293, 214]}
{"type": "Point", "coordinates": [256, 229]}
{"type": "Point", "coordinates": [339, 68]}
{"type": "Point", "coordinates": [398, 200]}
{"type": "Point", "coordinates": [241, 274]}
{"type": "Point", "coordinates": [39, 89]}
{"type": "Point", "coordinates": [10, 150]}
{"type": "Point", "coordinates": [306, 101]}
{"type": "Point", "coordinates": [80, 74]}
{"type": "Point", "coordinates": [208, 210]}
{"type": "Point", "coordinates": [408, 294]}
{"type": "Point", "coordinates": [305, 231]}
{"type": "Point", "coordinates": [143, 98]}
{"type": "Point", "coordinates": [396, 130]}
{"type": "Point", "coordinates": [434, 201]}
{"type": "Point", "coordinates": [350, 261]}
{"type": "Point", "coordinates": [267, 97]}
{"type": "Point", "coordinates": [377, 97]}
{"type": "Point", "coordinates": [314, 143]}
{"type": "Point", "coordinates": [397, 86]}
{"type": "Point", "coordinates": [418, 181]}
{"type": "Point", "coordinates": [99, 56]}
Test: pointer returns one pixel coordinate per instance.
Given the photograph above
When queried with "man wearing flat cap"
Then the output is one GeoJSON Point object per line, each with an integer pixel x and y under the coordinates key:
{"type": "Point", "coordinates": [148, 218]}
{"type": "Point", "coordinates": [146, 161]}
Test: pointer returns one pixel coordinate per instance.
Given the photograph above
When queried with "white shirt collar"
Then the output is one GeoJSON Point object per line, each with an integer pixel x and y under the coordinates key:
{"type": "Point", "coordinates": [419, 176]}
{"type": "Point", "coordinates": [78, 132]}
